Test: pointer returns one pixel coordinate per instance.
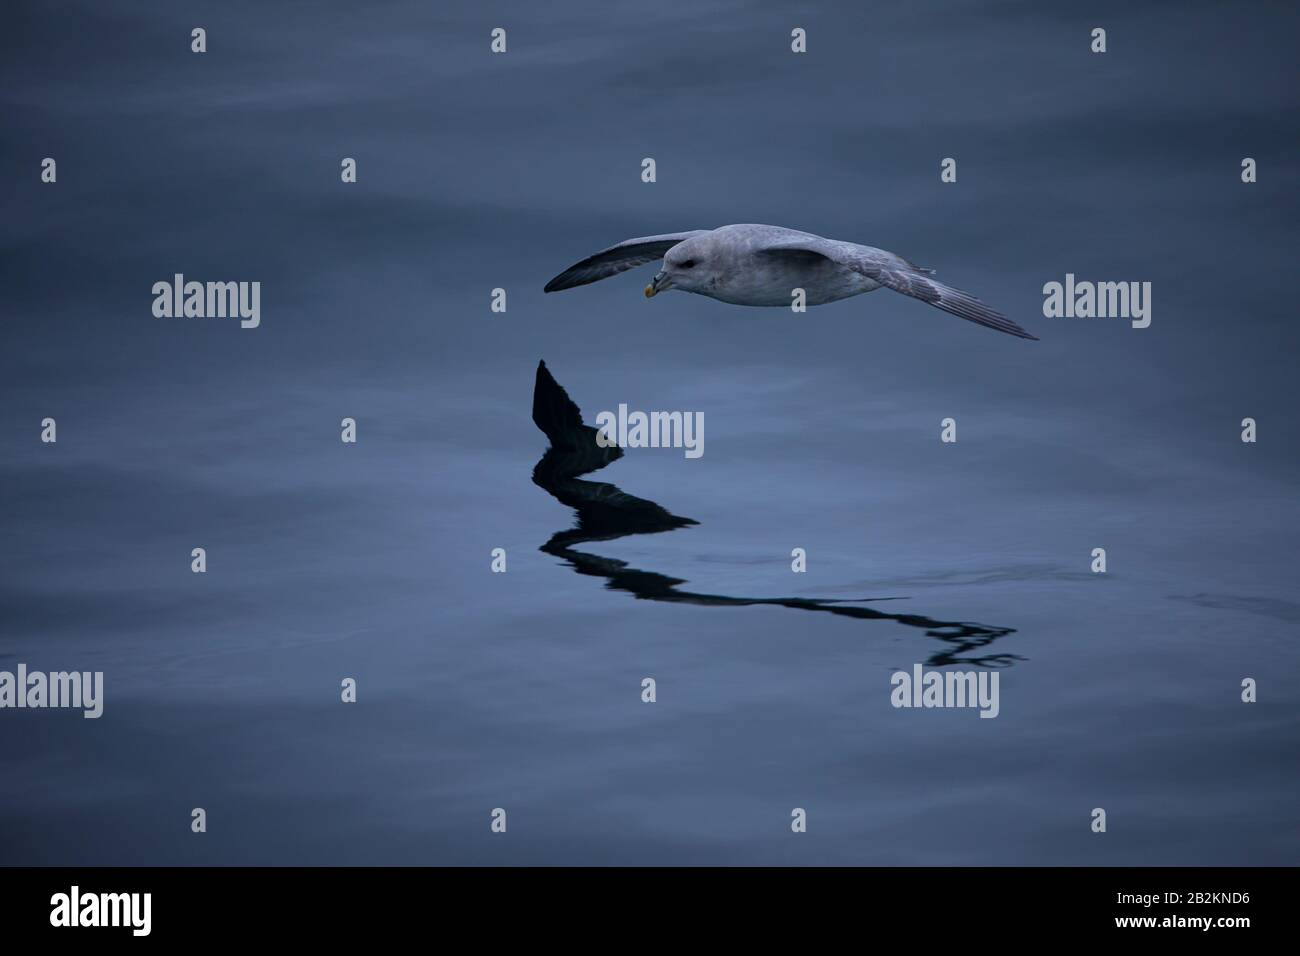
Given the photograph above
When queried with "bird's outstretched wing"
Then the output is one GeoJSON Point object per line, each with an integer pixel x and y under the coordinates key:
{"type": "Point", "coordinates": [895, 272]}
{"type": "Point", "coordinates": [626, 255]}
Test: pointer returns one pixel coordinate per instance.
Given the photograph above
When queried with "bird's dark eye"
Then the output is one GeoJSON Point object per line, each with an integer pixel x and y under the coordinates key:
{"type": "Point", "coordinates": [688, 264]}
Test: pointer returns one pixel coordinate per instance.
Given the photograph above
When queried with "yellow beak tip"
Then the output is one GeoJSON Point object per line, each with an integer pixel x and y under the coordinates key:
{"type": "Point", "coordinates": [649, 291]}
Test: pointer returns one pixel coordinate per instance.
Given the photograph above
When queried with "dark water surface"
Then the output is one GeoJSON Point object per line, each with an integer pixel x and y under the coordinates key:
{"type": "Point", "coordinates": [522, 690]}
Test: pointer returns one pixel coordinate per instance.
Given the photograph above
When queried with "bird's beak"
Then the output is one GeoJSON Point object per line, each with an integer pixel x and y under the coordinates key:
{"type": "Point", "coordinates": [658, 284]}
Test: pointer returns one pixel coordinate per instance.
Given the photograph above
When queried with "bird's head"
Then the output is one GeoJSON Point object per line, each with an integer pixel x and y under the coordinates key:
{"type": "Point", "coordinates": [686, 266]}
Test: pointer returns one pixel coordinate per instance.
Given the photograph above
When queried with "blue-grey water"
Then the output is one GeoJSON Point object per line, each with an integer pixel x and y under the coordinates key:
{"type": "Point", "coordinates": [522, 690]}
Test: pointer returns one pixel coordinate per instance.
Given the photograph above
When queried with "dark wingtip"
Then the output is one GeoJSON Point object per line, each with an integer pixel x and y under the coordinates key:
{"type": "Point", "coordinates": [553, 285]}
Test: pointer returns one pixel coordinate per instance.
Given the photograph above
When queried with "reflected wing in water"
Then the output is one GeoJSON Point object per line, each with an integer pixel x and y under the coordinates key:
{"type": "Point", "coordinates": [605, 512]}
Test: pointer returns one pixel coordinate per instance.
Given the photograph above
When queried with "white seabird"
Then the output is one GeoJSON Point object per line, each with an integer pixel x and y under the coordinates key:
{"type": "Point", "coordinates": [752, 264]}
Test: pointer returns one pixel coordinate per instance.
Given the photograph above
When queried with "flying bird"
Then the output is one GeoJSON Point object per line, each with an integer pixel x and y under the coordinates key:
{"type": "Point", "coordinates": [751, 264]}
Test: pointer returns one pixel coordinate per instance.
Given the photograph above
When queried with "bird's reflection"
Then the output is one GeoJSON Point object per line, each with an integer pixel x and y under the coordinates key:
{"type": "Point", "coordinates": [606, 512]}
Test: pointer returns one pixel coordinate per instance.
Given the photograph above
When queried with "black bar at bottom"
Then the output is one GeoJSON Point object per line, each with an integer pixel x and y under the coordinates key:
{"type": "Point", "coordinates": [334, 906]}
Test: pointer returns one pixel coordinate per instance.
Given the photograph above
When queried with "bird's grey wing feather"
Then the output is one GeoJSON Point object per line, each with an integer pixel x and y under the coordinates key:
{"type": "Point", "coordinates": [895, 272]}
{"type": "Point", "coordinates": [626, 255]}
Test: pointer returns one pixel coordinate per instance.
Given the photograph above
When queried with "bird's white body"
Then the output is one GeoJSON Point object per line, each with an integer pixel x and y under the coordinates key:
{"type": "Point", "coordinates": [757, 265]}
{"type": "Point", "coordinates": [732, 266]}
